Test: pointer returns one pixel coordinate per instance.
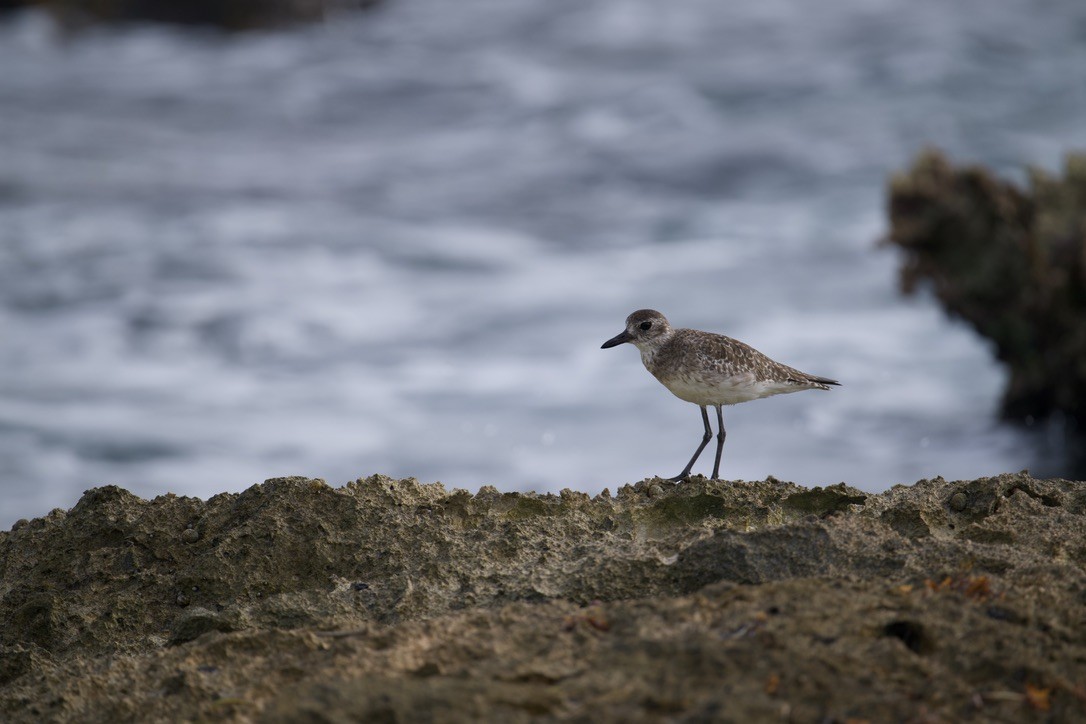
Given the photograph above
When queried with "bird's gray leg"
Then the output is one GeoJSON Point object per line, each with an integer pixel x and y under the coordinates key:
{"type": "Point", "coordinates": [719, 442]}
{"type": "Point", "coordinates": [704, 441]}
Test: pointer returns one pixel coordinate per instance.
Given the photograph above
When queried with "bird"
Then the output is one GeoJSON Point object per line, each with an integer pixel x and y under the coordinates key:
{"type": "Point", "coordinates": [709, 369]}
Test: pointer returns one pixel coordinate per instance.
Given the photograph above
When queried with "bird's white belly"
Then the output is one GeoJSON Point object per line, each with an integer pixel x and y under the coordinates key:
{"type": "Point", "coordinates": [726, 390]}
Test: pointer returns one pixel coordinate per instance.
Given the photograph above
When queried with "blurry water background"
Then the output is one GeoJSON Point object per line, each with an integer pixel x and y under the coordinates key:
{"type": "Point", "coordinates": [394, 242]}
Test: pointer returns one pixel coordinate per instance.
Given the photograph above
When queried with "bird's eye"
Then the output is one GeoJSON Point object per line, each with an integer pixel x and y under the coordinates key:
{"type": "Point", "coordinates": [646, 325]}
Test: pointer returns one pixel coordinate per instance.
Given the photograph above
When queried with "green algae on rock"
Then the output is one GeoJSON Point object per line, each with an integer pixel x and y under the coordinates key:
{"type": "Point", "coordinates": [733, 601]}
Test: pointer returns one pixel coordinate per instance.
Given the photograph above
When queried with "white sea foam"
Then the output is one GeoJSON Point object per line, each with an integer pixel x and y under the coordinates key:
{"type": "Point", "coordinates": [395, 243]}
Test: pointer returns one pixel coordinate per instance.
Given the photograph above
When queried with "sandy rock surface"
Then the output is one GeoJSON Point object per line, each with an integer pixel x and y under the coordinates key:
{"type": "Point", "coordinates": [387, 600]}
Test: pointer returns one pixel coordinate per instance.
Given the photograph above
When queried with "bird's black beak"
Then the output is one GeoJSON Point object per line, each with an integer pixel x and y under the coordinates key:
{"type": "Point", "coordinates": [617, 340]}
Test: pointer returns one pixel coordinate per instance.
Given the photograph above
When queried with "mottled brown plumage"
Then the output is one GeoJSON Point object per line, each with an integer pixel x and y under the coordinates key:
{"type": "Point", "coordinates": [709, 369]}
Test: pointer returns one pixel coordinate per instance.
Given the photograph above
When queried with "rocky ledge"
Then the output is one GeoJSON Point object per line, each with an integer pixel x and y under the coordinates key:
{"type": "Point", "coordinates": [388, 600]}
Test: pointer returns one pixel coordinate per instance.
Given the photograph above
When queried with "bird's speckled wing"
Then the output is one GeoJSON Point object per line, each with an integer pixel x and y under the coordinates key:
{"type": "Point", "coordinates": [712, 369]}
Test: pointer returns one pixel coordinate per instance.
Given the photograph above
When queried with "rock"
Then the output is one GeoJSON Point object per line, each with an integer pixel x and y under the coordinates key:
{"type": "Point", "coordinates": [392, 600]}
{"type": "Point", "coordinates": [225, 14]}
{"type": "Point", "coordinates": [195, 622]}
{"type": "Point", "coordinates": [958, 501]}
{"type": "Point", "coordinates": [1012, 263]}
{"type": "Point", "coordinates": [7, 5]}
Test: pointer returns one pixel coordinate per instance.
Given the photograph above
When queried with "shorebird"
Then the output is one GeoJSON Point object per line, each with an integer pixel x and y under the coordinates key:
{"type": "Point", "coordinates": [709, 369]}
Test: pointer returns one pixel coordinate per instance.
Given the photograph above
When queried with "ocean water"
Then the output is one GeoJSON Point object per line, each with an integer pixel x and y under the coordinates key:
{"type": "Point", "coordinates": [394, 242]}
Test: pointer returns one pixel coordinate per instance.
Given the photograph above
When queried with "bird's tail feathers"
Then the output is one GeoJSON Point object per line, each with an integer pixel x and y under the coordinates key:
{"type": "Point", "coordinates": [821, 383]}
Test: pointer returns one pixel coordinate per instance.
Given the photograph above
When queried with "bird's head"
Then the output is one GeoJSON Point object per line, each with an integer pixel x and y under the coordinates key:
{"type": "Point", "coordinates": [645, 328]}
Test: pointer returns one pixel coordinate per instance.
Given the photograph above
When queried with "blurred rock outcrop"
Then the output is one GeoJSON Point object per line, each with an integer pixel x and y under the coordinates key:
{"type": "Point", "coordinates": [225, 14]}
{"type": "Point", "coordinates": [387, 600]}
{"type": "Point", "coordinates": [1012, 263]}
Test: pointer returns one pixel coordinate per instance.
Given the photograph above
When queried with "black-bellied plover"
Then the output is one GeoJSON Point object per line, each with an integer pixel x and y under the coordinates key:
{"type": "Point", "coordinates": [709, 369]}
